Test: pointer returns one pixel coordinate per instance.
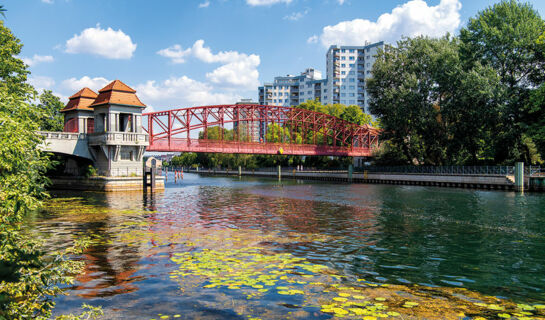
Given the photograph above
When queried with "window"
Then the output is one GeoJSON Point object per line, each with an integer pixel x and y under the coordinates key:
{"type": "Point", "coordinates": [352, 65]}
{"type": "Point", "coordinates": [368, 57]}
{"type": "Point", "coordinates": [274, 94]}
{"type": "Point", "coordinates": [343, 87]}
{"type": "Point", "coordinates": [368, 72]}
{"type": "Point", "coordinates": [351, 58]}
{"type": "Point", "coordinates": [309, 92]}
{"type": "Point", "coordinates": [309, 85]}
{"type": "Point", "coordinates": [352, 101]}
{"type": "Point", "coordinates": [368, 49]}
{"type": "Point", "coordinates": [351, 72]}
{"type": "Point", "coordinates": [343, 72]}
{"type": "Point", "coordinates": [125, 154]}
{"type": "Point", "coordinates": [343, 58]}
{"type": "Point", "coordinates": [280, 94]}
{"type": "Point", "coordinates": [352, 80]}
{"type": "Point", "coordinates": [351, 50]}
{"type": "Point", "coordinates": [325, 90]}
{"type": "Point", "coordinates": [351, 87]}
{"type": "Point", "coordinates": [274, 100]}
{"type": "Point", "coordinates": [343, 94]}
{"type": "Point", "coordinates": [368, 64]}
{"type": "Point", "coordinates": [325, 97]}
{"type": "Point", "coordinates": [351, 95]}
{"type": "Point", "coordinates": [343, 101]}
{"type": "Point", "coordinates": [343, 65]}
{"type": "Point", "coordinates": [343, 50]}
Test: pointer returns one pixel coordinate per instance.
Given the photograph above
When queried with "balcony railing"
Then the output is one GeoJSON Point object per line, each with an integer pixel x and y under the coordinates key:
{"type": "Point", "coordinates": [129, 138]}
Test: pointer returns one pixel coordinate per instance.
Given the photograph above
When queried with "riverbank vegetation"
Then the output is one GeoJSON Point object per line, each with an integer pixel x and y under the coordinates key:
{"type": "Point", "coordinates": [29, 278]}
{"type": "Point", "coordinates": [474, 98]}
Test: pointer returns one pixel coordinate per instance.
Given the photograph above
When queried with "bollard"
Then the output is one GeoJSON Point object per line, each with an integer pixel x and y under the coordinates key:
{"type": "Point", "coordinates": [239, 171]}
{"type": "Point", "coordinates": [519, 176]}
{"type": "Point", "coordinates": [350, 172]}
{"type": "Point", "coordinates": [365, 174]}
{"type": "Point", "coordinates": [279, 173]}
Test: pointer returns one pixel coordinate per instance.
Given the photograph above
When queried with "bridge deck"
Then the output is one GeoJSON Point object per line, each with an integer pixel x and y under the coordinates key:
{"type": "Point", "coordinates": [219, 146]}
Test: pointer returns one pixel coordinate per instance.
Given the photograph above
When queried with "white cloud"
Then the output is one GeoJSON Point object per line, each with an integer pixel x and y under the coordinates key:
{"type": "Point", "coordinates": [242, 73]}
{"type": "Point", "coordinates": [47, 1]}
{"type": "Point", "coordinates": [175, 53]}
{"type": "Point", "coordinates": [182, 92]}
{"type": "Point", "coordinates": [266, 2]}
{"type": "Point", "coordinates": [296, 15]}
{"type": "Point", "coordinates": [410, 19]}
{"type": "Point", "coordinates": [239, 70]}
{"type": "Point", "coordinates": [41, 82]}
{"type": "Point", "coordinates": [204, 4]}
{"type": "Point", "coordinates": [312, 39]}
{"type": "Point", "coordinates": [341, 2]}
{"type": "Point", "coordinates": [107, 43]}
{"type": "Point", "coordinates": [94, 84]}
{"type": "Point", "coordinates": [37, 59]}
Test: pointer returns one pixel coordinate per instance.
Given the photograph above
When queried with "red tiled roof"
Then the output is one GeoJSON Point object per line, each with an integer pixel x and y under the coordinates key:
{"type": "Point", "coordinates": [117, 93]}
{"type": "Point", "coordinates": [81, 100]}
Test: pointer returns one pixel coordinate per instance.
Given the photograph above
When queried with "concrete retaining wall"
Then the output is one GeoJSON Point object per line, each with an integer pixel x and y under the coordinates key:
{"type": "Point", "coordinates": [458, 181]}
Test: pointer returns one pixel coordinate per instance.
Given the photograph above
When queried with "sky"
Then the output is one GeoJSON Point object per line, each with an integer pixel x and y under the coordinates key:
{"type": "Point", "coordinates": [180, 53]}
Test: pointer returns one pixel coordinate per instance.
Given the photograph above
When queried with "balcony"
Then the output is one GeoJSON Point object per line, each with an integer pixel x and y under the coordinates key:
{"type": "Point", "coordinates": [119, 138]}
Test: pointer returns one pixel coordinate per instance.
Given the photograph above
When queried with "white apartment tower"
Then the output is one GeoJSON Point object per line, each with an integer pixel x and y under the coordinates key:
{"type": "Point", "coordinates": [292, 90]}
{"type": "Point", "coordinates": [347, 69]}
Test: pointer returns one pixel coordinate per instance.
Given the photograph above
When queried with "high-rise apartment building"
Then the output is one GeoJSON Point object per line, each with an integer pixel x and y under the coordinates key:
{"type": "Point", "coordinates": [347, 68]}
{"type": "Point", "coordinates": [292, 90]}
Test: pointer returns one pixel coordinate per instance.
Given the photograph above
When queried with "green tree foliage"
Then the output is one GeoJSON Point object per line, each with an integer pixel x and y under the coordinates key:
{"type": "Point", "coordinates": [432, 110]}
{"type": "Point", "coordinates": [29, 278]}
{"type": "Point", "coordinates": [506, 37]}
{"type": "Point", "coordinates": [13, 72]}
{"type": "Point", "coordinates": [185, 159]}
{"type": "Point", "coordinates": [49, 109]}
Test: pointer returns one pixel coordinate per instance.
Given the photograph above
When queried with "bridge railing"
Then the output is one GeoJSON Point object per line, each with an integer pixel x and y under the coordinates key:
{"type": "Point", "coordinates": [63, 135]}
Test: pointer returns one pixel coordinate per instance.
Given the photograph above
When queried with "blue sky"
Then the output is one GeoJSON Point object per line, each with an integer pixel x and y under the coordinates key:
{"type": "Point", "coordinates": [184, 53]}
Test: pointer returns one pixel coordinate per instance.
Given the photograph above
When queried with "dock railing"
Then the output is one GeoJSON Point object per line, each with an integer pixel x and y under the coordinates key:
{"type": "Point", "coordinates": [426, 170]}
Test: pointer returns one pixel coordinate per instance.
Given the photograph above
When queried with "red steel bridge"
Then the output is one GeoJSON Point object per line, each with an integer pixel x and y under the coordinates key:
{"type": "Point", "coordinates": [303, 132]}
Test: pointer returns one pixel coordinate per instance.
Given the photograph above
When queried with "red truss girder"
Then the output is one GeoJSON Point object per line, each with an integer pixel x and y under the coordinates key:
{"type": "Point", "coordinates": [170, 131]}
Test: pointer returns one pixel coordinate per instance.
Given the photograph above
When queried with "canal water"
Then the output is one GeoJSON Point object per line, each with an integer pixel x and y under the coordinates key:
{"type": "Point", "coordinates": [247, 248]}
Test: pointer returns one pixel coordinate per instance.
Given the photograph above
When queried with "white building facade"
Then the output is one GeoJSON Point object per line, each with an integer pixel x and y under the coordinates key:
{"type": "Point", "coordinates": [347, 69]}
{"type": "Point", "coordinates": [292, 90]}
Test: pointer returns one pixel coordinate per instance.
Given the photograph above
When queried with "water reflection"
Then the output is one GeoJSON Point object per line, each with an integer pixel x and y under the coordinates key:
{"type": "Point", "coordinates": [491, 242]}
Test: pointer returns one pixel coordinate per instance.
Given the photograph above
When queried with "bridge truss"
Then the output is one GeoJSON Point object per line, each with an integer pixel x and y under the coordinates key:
{"type": "Point", "coordinates": [303, 132]}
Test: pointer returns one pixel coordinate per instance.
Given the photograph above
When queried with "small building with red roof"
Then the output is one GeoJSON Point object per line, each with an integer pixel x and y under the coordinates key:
{"type": "Point", "coordinates": [78, 113]}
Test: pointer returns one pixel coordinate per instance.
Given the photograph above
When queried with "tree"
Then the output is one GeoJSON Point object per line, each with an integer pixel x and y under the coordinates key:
{"type": "Point", "coordinates": [13, 72]}
{"type": "Point", "coordinates": [419, 92]}
{"type": "Point", "coordinates": [28, 277]}
{"type": "Point", "coordinates": [49, 109]}
{"type": "Point", "coordinates": [506, 37]}
{"type": "Point", "coordinates": [2, 11]}
{"type": "Point", "coordinates": [354, 114]}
